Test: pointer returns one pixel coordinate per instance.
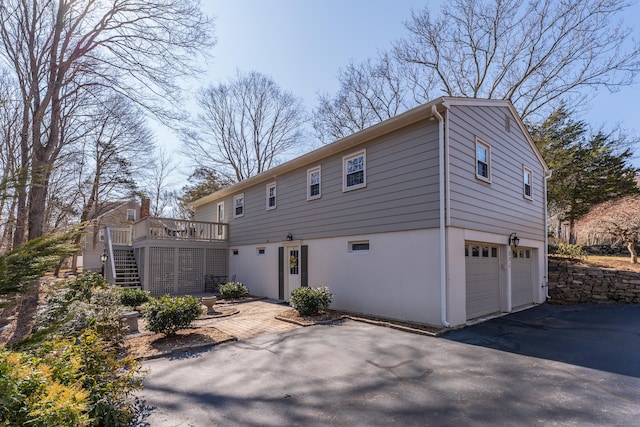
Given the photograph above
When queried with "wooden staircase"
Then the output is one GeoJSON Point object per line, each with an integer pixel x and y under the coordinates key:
{"type": "Point", "coordinates": [126, 268]}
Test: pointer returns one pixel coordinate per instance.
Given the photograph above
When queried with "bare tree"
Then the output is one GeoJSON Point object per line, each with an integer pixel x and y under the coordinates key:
{"type": "Point", "coordinates": [616, 219]}
{"type": "Point", "coordinates": [9, 159]}
{"type": "Point", "coordinates": [159, 184]}
{"type": "Point", "coordinates": [532, 53]}
{"type": "Point", "coordinates": [370, 92]}
{"type": "Point", "coordinates": [62, 48]}
{"type": "Point", "coordinates": [244, 126]}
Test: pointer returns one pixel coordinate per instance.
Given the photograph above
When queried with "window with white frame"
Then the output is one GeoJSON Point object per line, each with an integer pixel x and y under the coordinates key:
{"type": "Point", "coordinates": [526, 183]}
{"type": "Point", "coordinates": [359, 247]}
{"type": "Point", "coordinates": [220, 220]}
{"type": "Point", "coordinates": [313, 183]}
{"type": "Point", "coordinates": [131, 214]}
{"type": "Point", "coordinates": [238, 205]}
{"type": "Point", "coordinates": [354, 171]}
{"type": "Point", "coordinates": [220, 212]}
{"type": "Point", "coordinates": [483, 160]}
{"type": "Point", "coordinates": [271, 196]}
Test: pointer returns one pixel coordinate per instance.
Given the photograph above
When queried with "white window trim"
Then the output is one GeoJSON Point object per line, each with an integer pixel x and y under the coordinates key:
{"type": "Point", "coordinates": [345, 159]}
{"type": "Point", "coordinates": [524, 187]}
{"type": "Point", "coordinates": [134, 214]}
{"type": "Point", "coordinates": [309, 172]}
{"type": "Point", "coordinates": [358, 251]}
{"type": "Point", "coordinates": [236, 197]}
{"type": "Point", "coordinates": [480, 142]}
{"type": "Point", "coordinates": [275, 194]}
{"type": "Point", "coordinates": [263, 249]}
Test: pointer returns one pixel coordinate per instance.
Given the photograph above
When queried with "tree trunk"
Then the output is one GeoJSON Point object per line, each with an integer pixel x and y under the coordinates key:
{"type": "Point", "coordinates": [632, 251]}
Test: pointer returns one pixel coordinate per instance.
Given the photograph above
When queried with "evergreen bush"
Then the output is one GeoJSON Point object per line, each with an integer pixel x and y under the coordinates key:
{"type": "Point", "coordinates": [72, 370]}
{"type": "Point", "coordinates": [309, 301]}
{"type": "Point", "coordinates": [570, 251]}
{"type": "Point", "coordinates": [232, 290]}
{"type": "Point", "coordinates": [134, 297]}
{"type": "Point", "coordinates": [168, 315]}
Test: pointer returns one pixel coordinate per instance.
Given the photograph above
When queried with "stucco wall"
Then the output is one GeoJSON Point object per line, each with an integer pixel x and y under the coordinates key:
{"type": "Point", "coordinates": [398, 278]}
{"type": "Point", "coordinates": [570, 283]}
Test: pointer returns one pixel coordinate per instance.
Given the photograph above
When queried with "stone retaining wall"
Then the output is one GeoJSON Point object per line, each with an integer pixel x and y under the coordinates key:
{"type": "Point", "coordinates": [570, 283]}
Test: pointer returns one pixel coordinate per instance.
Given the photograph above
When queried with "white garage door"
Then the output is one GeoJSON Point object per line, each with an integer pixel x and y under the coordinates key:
{"type": "Point", "coordinates": [483, 279]}
{"type": "Point", "coordinates": [521, 277]}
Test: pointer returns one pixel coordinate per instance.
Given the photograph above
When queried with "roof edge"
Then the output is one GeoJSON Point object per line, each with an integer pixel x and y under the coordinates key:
{"type": "Point", "coordinates": [379, 129]}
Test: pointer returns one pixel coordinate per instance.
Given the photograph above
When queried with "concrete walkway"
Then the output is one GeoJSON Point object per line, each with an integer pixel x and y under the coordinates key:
{"type": "Point", "coordinates": [254, 318]}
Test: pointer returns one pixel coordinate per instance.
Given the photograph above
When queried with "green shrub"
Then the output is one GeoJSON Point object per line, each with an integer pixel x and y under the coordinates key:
{"type": "Point", "coordinates": [570, 251]}
{"type": "Point", "coordinates": [309, 301]}
{"type": "Point", "coordinates": [167, 315]}
{"type": "Point", "coordinates": [35, 394]}
{"type": "Point", "coordinates": [76, 360]}
{"type": "Point", "coordinates": [82, 287]}
{"type": "Point", "coordinates": [76, 306]}
{"type": "Point", "coordinates": [134, 297]}
{"type": "Point", "coordinates": [233, 290]}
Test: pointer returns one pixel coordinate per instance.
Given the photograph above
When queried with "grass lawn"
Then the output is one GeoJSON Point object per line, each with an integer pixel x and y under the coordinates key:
{"type": "Point", "coordinates": [615, 262]}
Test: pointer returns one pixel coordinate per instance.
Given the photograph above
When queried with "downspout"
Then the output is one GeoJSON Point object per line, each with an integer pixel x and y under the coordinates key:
{"type": "Point", "coordinates": [443, 243]}
{"type": "Point", "coordinates": [546, 239]}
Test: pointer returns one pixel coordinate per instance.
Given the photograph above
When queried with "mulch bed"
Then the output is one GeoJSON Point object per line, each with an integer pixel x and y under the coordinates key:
{"type": "Point", "coordinates": [149, 345]}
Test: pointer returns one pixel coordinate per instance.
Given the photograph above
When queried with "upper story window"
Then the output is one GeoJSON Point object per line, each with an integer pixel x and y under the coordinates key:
{"type": "Point", "coordinates": [483, 160]}
{"type": "Point", "coordinates": [131, 214]}
{"type": "Point", "coordinates": [238, 205]}
{"type": "Point", "coordinates": [271, 196]}
{"type": "Point", "coordinates": [354, 171]}
{"type": "Point", "coordinates": [313, 183]}
{"type": "Point", "coordinates": [220, 210]}
{"type": "Point", "coordinates": [526, 183]}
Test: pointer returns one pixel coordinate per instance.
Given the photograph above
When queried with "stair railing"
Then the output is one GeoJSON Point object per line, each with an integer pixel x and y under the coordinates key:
{"type": "Point", "coordinates": [110, 263]}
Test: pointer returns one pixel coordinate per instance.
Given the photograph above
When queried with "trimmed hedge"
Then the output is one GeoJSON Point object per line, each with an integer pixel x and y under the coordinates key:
{"type": "Point", "coordinates": [309, 301]}
{"type": "Point", "coordinates": [168, 315]}
{"type": "Point", "coordinates": [134, 297]}
{"type": "Point", "coordinates": [232, 290]}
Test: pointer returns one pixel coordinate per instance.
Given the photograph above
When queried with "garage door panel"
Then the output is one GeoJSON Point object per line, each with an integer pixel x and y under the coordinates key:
{"type": "Point", "coordinates": [482, 280]}
{"type": "Point", "coordinates": [522, 277]}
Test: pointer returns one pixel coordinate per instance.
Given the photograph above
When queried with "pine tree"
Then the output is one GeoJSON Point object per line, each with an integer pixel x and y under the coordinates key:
{"type": "Point", "coordinates": [587, 169]}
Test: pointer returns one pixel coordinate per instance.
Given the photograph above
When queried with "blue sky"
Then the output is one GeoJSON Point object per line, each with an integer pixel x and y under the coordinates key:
{"type": "Point", "coordinates": [302, 44]}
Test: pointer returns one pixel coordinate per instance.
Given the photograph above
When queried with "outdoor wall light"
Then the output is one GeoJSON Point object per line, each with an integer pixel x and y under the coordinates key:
{"type": "Point", "coordinates": [103, 258]}
{"type": "Point", "coordinates": [289, 237]}
{"type": "Point", "coordinates": [514, 240]}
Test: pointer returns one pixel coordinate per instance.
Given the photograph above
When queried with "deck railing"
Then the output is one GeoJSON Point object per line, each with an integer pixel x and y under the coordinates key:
{"type": "Point", "coordinates": [109, 266]}
{"type": "Point", "coordinates": [178, 229]}
{"type": "Point", "coordinates": [120, 236]}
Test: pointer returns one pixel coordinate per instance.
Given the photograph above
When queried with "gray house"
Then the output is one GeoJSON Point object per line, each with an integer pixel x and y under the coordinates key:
{"type": "Point", "coordinates": [115, 215]}
{"type": "Point", "coordinates": [435, 216]}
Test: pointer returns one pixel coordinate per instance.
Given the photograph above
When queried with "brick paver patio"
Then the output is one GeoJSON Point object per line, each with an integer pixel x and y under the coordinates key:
{"type": "Point", "coordinates": [254, 318]}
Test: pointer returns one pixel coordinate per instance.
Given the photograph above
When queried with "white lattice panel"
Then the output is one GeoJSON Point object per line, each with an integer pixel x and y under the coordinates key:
{"type": "Point", "coordinates": [161, 271]}
{"type": "Point", "coordinates": [190, 270]}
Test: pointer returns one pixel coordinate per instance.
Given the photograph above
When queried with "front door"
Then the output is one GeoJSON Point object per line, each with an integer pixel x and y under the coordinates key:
{"type": "Point", "coordinates": [292, 269]}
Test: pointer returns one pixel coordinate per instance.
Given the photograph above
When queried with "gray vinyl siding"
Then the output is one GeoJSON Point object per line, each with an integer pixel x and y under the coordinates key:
{"type": "Point", "coordinates": [401, 194]}
{"type": "Point", "coordinates": [499, 206]}
{"type": "Point", "coordinates": [208, 212]}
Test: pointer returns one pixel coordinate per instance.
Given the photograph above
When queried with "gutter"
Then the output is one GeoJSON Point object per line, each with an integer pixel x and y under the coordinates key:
{"type": "Point", "coordinates": [546, 239]}
{"type": "Point", "coordinates": [443, 242]}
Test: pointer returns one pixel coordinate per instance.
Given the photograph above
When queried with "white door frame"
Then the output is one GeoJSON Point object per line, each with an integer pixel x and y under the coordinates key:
{"type": "Point", "coordinates": [292, 279]}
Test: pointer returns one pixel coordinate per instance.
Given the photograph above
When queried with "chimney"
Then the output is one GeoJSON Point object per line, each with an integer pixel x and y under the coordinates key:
{"type": "Point", "coordinates": [145, 207]}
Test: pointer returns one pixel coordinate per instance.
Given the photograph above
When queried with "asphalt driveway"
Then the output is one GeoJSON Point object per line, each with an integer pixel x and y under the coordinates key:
{"type": "Point", "coordinates": [355, 374]}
